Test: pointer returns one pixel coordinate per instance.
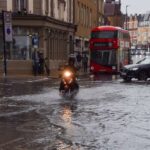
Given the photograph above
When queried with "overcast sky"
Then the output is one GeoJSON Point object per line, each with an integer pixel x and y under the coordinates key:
{"type": "Point", "coordinates": [135, 6]}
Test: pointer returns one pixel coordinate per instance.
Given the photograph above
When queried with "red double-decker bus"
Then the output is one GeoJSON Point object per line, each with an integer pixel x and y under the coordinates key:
{"type": "Point", "coordinates": [109, 49]}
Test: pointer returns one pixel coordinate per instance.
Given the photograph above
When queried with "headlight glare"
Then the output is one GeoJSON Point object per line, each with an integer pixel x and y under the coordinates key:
{"type": "Point", "coordinates": [67, 74]}
{"type": "Point", "coordinates": [134, 69]}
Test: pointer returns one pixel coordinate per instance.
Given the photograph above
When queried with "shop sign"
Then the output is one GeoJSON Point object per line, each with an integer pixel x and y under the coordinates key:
{"type": "Point", "coordinates": [7, 19]}
{"type": "Point", "coordinates": [35, 41]}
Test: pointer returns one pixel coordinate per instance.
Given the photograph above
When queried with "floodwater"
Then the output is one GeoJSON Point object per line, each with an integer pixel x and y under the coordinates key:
{"type": "Point", "coordinates": [106, 114]}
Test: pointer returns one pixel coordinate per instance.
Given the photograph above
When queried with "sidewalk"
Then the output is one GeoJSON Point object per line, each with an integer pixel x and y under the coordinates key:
{"type": "Point", "coordinates": [54, 74]}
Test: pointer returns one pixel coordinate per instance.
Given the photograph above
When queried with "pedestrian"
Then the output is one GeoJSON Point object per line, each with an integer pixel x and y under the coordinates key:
{"type": "Point", "coordinates": [85, 62]}
{"type": "Point", "coordinates": [79, 59]}
{"type": "Point", "coordinates": [41, 63]}
{"type": "Point", "coordinates": [35, 62]}
{"type": "Point", "coordinates": [46, 66]}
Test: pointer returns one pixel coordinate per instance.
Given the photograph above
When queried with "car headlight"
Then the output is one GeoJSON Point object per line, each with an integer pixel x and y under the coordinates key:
{"type": "Point", "coordinates": [113, 67]}
{"type": "Point", "coordinates": [134, 69]}
{"type": "Point", "coordinates": [92, 68]}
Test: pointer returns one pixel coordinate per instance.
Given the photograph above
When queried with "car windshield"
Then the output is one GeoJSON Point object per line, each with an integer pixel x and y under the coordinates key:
{"type": "Point", "coordinates": [144, 61]}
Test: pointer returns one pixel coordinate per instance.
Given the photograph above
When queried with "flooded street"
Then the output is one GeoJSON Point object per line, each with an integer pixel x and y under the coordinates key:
{"type": "Point", "coordinates": [106, 114]}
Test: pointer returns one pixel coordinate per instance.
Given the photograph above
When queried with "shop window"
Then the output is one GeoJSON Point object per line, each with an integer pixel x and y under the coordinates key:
{"type": "Point", "coordinates": [78, 43]}
{"type": "Point", "coordinates": [21, 48]}
{"type": "Point", "coordinates": [86, 44]}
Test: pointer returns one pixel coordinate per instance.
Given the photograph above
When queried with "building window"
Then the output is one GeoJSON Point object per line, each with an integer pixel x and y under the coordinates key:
{"type": "Point", "coordinates": [82, 14]}
{"type": "Point", "coordinates": [78, 12]}
{"type": "Point", "coordinates": [37, 7]}
{"type": "Point", "coordinates": [61, 9]}
{"type": "Point", "coordinates": [70, 10]}
{"type": "Point", "coordinates": [22, 44]}
{"type": "Point", "coordinates": [90, 17]}
{"type": "Point", "coordinates": [46, 7]}
{"type": "Point", "coordinates": [19, 5]}
{"type": "Point", "coordinates": [21, 47]}
{"type": "Point", "coordinates": [52, 8]}
{"type": "Point", "coordinates": [78, 44]}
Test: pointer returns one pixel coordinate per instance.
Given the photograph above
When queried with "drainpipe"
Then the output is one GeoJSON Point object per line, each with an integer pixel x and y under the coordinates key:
{"type": "Point", "coordinates": [74, 12]}
{"type": "Point", "coordinates": [97, 12]}
{"type": "Point", "coordinates": [74, 6]}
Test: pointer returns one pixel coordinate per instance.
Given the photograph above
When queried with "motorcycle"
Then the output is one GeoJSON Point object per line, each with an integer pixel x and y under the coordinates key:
{"type": "Point", "coordinates": [68, 85]}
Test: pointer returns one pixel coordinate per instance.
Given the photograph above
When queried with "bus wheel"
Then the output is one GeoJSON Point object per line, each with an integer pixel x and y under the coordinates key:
{"type": "Point", "coordinates": [127, 79]}
{"type": "Point", "coordinates": [142, 76]}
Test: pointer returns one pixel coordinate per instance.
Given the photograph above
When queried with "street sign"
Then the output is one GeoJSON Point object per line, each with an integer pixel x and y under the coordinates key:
{"type": "Point", "coordinates": [7, 35]}
{"type": "Point", "coordinates": [7, 19]}
{"type": "Point", "coordinates": [35, 41]}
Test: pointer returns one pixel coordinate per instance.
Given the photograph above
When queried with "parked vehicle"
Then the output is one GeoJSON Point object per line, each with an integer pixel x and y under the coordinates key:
{"type": "Point", "coordinates": [140, 70]}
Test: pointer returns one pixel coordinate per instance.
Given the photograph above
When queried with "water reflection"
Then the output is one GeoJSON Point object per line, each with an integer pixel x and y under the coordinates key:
{"type": "Point", "coordinates": [104, 77]}
{"type": "Point", "coordinates": [68, 108]}
{"type": "Point", "coordinates": [67, 115]}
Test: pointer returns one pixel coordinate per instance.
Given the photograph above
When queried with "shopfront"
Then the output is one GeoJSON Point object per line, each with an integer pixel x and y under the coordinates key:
{"type": "Point", "coordinates": [50, 37]}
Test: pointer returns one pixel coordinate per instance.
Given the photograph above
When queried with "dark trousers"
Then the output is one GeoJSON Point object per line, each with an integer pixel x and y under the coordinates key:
{"type": "Point", "coordinates": [85, 67]}
{"type": "Point", "coordinates": [35, 68]}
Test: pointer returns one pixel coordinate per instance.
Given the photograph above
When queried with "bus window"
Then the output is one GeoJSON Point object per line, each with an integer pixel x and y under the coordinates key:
{"type": "Point", "coordinates": [104, 57]}
{"type": "Point", "coordinates": [104, 34]}
{"type": "Point", "coordinates": [113, 58]}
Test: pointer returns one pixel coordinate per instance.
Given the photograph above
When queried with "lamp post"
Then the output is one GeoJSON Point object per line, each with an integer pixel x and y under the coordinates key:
{"type": "Point", "coordinates": [126, 15]}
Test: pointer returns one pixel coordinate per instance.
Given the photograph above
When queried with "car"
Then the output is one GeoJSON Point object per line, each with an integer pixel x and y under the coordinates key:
{"type": "Point", "coordinates": [140, 70]}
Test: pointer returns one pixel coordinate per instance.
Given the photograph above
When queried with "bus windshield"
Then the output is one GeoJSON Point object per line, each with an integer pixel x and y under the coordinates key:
{"type": "Point", "coordinates": [104, 34]}
{"type": "Point", "coordinates": [104, 57]}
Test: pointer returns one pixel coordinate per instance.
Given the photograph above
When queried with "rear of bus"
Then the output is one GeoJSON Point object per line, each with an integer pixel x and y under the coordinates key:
{"type": "Point", "coordinates": [104, 45]}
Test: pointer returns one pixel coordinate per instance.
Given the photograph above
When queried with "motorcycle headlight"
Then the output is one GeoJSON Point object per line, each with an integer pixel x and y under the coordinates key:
{"type": "Point", "coordinates": [134, 69]}
{"type": "Point", "coordinates": [67, 74]}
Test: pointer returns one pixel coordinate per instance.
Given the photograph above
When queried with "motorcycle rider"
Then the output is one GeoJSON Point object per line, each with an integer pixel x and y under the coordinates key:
{"type": "Point", "coordinates": [71, 67]}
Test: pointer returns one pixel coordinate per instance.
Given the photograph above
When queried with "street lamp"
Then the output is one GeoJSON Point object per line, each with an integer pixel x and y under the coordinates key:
{"type": "Point", "coordinates": [126, 15]}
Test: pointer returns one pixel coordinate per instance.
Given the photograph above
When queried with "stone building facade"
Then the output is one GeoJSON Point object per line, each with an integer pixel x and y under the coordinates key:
{"type": "Point", "coordinates": [88, 14]}
{"type": "Point", "coordinates": [143, 40]}
{"type": "Point", "coordinates": [132, 27]}
{"type": "Point", "coordinates": [112, 11]}
{"type": "Point", "coordinates": [50, 22]}
{"type": "Point", "coordinates": [139, 27]}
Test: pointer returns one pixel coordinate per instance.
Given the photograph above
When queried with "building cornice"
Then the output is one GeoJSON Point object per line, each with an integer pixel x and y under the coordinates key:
{"type": "Point", "coordinates": [37, 20]}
